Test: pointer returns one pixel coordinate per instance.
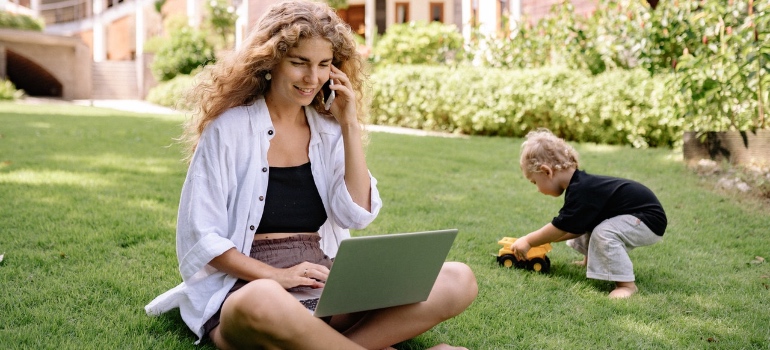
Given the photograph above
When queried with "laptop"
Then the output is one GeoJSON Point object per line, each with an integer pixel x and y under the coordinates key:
{"type": "Point", "coordinates": [373, 272]}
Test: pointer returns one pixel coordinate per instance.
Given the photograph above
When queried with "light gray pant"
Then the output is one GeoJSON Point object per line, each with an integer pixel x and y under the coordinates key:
{"type": "Point", "coordinates": [608, 245]}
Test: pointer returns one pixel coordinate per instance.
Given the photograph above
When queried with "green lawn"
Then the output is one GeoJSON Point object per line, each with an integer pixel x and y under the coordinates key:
{"type": "Point", "coordinates": [89, 200]}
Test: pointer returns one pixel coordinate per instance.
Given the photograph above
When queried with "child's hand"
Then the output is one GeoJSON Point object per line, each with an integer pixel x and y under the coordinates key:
{"type": "Point", "coordinates": [520, 249]}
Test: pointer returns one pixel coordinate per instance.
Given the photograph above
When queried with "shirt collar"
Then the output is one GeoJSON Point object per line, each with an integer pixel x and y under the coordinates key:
{"type": "Point", "coordinates": [319, 124]}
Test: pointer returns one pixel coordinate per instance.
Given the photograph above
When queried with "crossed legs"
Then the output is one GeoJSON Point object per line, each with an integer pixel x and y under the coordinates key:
{"type": "Point", "coordinates": [263, 315]}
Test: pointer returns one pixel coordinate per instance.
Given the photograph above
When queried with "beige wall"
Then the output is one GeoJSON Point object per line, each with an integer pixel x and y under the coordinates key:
{"type": "Point", "coordinates": [67, 59]}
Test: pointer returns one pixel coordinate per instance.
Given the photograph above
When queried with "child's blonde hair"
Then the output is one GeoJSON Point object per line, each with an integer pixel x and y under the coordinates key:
{"type": "Point", "coordinates": [542, 147]}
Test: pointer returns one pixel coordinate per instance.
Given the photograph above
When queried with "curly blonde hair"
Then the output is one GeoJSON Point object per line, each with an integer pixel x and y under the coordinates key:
{"type": "Point", "coordinates": [238, 77]}
{"type": "Point", "coordinates": [542, 147]}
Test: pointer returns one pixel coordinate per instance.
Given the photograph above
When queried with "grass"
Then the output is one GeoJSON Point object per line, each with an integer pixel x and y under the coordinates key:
{"type": "Point", "coordinates": [89, 208]}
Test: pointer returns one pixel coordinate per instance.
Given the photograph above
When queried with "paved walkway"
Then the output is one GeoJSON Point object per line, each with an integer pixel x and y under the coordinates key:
{"type": "Point", "coordinates": [139, 106]}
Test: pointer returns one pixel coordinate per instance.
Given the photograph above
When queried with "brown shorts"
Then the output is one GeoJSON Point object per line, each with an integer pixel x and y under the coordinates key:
{"type": "Point", "coordinates": [280, 253]}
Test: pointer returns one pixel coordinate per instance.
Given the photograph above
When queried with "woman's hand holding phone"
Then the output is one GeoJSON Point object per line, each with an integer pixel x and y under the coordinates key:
{"type": "Point", "coordinates": [343, 106]}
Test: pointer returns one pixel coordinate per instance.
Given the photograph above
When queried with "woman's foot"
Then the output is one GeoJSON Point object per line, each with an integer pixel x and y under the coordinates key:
{"type": "Point", "coordinates": [447, 347]}
{"type": "Point", "coordinates": [623, 290]}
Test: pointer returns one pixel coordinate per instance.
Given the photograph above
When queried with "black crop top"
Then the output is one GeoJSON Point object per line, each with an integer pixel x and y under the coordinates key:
{"type": "Point", "coordinates": [292, 202]}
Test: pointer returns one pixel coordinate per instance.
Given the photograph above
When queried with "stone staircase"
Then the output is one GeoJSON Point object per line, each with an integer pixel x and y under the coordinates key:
{"type": "Point", "coordinates": [114, 80]}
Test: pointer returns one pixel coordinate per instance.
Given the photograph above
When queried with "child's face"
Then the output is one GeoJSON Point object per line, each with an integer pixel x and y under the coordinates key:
{"type": "Point", "coordinates": [546, 183]}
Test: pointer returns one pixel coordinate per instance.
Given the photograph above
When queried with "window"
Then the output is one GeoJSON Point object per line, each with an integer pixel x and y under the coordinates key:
{"type": "Point", "coordinates": [402, 12]}
{"type": "Point", "coordinates": [437, 11]}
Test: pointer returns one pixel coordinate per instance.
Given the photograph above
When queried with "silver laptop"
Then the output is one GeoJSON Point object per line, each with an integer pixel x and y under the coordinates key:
{"type": "Point", "coordinates": [373, 272]}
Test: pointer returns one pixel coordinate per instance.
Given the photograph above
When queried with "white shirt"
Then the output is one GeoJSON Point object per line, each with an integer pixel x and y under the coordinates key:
{"type": "Point", "coordinates": [222, 202]}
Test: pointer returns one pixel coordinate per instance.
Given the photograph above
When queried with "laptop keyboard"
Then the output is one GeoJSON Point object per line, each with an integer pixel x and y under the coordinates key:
{"type": "Point", "coordinates": [310, 304]}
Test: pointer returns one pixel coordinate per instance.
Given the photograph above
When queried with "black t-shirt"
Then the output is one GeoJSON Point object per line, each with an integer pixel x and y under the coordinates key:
{"type": "Point", "coordinates": [591, 199]}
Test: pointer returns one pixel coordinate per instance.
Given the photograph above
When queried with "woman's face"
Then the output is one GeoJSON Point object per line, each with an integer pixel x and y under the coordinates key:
{"type": "Point", "coordinates": [301, 74]}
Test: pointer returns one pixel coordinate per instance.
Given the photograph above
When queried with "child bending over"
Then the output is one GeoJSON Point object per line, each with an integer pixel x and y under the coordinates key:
{"type": "Point", "coordinates": [603, 217]}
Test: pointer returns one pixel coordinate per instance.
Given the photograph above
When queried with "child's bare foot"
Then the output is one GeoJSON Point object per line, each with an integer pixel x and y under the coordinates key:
{"type": "Point", "coordinates": [581, 263]}
{"type": "Point", "coordinates": [623, 290]}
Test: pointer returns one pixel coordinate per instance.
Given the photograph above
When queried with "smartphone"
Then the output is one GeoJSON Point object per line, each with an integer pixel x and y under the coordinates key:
{"type": "Point", "coordinates": [328, 94]}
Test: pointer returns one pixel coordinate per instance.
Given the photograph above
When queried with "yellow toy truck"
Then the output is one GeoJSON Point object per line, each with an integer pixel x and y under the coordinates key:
{"type": "Point", "coordinates": [536, 257]}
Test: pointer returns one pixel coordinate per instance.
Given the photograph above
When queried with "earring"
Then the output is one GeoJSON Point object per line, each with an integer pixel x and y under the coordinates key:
{"type": "Point", "coordinates": [268, 76]}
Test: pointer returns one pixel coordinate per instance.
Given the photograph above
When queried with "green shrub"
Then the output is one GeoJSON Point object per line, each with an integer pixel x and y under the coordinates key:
{"type": "Point", "coordinates": [8, 91]}
{"type": "Point", "coordinates": [719, 52]}
{"type": "Point", "coordinates": [185, 50]}
{"type": "Point", "coordinates": [153, 44]}
{"type": "Point", "coordinates": [171, 24]}
{"type": "Point", "coordinates": [18, 21]}
{"type": "Point", "coordinates": [620, 34]}
{"type": "Point", "coordinates": [611, 38]}
{"type": "Point", "coordinates": [220, 21]}
{"type": "Point", "coordinates": [618, 107]}
{"type": "Point", "coordinates": [419, 43]}
{"type": "Point", "coordinates": [172, 93]}
{"type": "Point", "coordinates": [724, 82]}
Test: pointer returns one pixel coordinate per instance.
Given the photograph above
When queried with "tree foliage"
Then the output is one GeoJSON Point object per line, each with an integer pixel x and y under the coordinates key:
{"type": "Point", "coordinates": [419, 43]}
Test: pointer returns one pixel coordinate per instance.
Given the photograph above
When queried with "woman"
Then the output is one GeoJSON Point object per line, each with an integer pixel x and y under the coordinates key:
{"type": "Point", "coordinates": [275, 182]}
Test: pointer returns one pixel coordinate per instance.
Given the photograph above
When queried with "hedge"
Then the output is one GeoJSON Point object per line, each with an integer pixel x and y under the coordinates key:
{"type": "Point", "coordinates": [616, 107]}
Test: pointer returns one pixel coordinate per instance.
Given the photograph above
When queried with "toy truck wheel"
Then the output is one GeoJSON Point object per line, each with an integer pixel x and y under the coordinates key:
{"type": "Point", "coordinates": [540, 265]}
{"type": "Point", "coordinates": [506, 260]}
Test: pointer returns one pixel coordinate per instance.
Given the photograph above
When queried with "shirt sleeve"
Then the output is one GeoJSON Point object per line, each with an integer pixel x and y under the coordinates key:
{"type": "Point", "coordinates": [347, 213]}
{"type": "Point", "coordinates": [202, 225]}
{"type": "Point", "coordinates": [583, 204]}
{"type": "Point", "coordinates": [576, 215]}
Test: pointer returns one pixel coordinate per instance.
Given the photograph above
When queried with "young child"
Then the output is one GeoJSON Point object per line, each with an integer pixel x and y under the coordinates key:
{"type": "Point", "coordinates": [603, 217]}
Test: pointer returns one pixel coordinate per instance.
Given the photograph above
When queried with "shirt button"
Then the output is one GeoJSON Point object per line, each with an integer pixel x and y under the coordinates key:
{"type": "Point", "coordinates": [251, 227]}
{"type": "Point", "coordinates": [264, 170]}
{"type": "Point", "coordinates": [261, 198]}
{"type": "Point", "coordinates": [270, 132]}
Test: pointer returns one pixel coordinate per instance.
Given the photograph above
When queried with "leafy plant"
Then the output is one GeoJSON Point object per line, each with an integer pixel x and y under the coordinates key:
{"type": "Point", "coordinates": [338, 4]}
{"type": "Point", "coordinates": [158, 5]}
{"type": "Point", "coordinates": [419, 43]}
{"type": "Point", "coordinates": [221, 20]}
{"type": "Point", "coordinates": [608, 39]}
{"type": "Point", "coordinates": [171, 93]}
{"type": "Point", "coordinates": [720, 51]}
{"type": "Point", "coordinates": [20, 21]}
{"type": "Point", "coordinates": [185, 50]}
{"type": "Point", "coordinates": [616, 107]}
{"type": "Point", "coordinates": [8, 91]}
{"type": "Point", "coordinates": [723, 85]}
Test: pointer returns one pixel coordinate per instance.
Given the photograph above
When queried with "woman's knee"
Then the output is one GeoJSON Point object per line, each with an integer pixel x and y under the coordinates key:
{"type": "Point", "coordinates": [458, 285]}
{"type": "Point", "coordinates": [259, 306]}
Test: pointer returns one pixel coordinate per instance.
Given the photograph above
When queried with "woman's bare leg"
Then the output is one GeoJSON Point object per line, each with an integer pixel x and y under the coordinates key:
{"type": "Point", "coordinates": [454, 290]}
{"type": "Point", "coordinates": [262, 315]}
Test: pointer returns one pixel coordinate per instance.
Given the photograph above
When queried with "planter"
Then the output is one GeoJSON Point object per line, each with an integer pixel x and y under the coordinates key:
{"type": "Point", "coordinates": [735, 147]}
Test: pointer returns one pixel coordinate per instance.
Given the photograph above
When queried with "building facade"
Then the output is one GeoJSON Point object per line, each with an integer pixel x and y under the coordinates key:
{"type": "Point", "coordinates": [115, 31]}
